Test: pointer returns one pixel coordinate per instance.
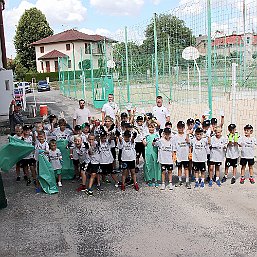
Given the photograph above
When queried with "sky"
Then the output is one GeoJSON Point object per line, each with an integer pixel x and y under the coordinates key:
{"type": "Point", "coordinates": [104, 17]}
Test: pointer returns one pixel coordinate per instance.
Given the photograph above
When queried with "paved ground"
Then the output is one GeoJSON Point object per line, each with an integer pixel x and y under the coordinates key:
{"type": "Point", "coordinates": [207, 222]}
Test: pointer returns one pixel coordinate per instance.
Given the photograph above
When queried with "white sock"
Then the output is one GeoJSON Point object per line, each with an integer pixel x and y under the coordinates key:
{"type": "Point", "coordinates": [187, 179]}
{"type": "Point", "coordinates": [179, 178]}
{"type": "Point", "coordinates": [202, 179]}
{"type": "Point", "coordinates": [196, 179]}
{"type": "Point", "coordinates": [217, 178]}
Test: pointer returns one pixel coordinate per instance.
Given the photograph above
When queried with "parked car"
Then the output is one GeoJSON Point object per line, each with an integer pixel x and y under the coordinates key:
{"type": "Point", "coordinates": [42, 85]}
{"type": "Point", "coordinates": [18, 94]}
{"type": "Point", "coordinates": [21, 85]}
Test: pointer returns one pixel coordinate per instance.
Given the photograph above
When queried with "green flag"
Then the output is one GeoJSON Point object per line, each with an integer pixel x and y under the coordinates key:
{"type": "Point", "coordinates": [13, 152]}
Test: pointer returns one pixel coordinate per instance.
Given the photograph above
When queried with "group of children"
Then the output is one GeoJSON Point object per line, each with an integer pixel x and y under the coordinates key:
{"type": "Point", "coordinates": [196, 147]}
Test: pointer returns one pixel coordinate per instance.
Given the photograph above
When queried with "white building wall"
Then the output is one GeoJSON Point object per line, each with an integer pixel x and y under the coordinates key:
{"type": "Point", "coordinates": [1, 63]}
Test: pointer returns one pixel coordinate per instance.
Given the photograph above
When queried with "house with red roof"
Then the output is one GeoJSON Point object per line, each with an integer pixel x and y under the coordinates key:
{"type": "Point", "coordinates": [69, 48]}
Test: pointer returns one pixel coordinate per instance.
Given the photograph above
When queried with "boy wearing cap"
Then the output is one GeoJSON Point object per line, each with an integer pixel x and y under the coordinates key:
{"type": "Point", "coordinates": [199, 146]}
{"type": "Point", "coordinates": [232, 153]}
{"type": "Point", "coordinates": [248, 143]}
{"type": "Point", "coordinates": [181, 153]}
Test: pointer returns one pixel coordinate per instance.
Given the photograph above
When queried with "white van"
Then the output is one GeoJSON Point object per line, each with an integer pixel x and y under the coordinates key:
{"type": "Point", "coordinates": [20, 86]}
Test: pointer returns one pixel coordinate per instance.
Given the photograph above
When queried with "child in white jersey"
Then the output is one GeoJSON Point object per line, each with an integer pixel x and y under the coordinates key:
{"type": "Point", "coordinates": [62, 132]}
{"type": "Point", "coordinates": [181, 149]}
{"type": "Point", "coordinates": [55, 158]}
{"type": "Point", "coordinates": [218, 145]}
{"type": "Point", "coordinates": [199, 147]}
{"type": "Point", "coordinates": [248, 143]}
{"type": "Point", "coordinates": [232, 153]}
{"type": "Point", "coordinates": [165, 152]}
{"type": "Point", "coordinates": [128, 158]}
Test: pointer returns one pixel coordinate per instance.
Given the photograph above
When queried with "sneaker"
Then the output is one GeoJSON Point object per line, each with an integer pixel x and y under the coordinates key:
{"type": "Point", "coordinates": [251, 180]}
{"type": "Point", "coordinates": [18, 179]}
{"type": "Point", "coordinates": [218, 183]}
{"type": "Point", "coordinates": [117, 184]}
{"type": "Point", "coordinates": [82, 188]}
{"type": "Point", "coordinates": [170, 186]}
{"type": "Point", "coordinates": [196, 184]}
{"type": "Point", "coordinates": [162, 187]}
{"type": "Point", "coordinates": [107, 181]}
{"type": "Point", "coordinates": [122, 187]}
{"type": "Point", "coordinates": [233, 180]}
{"type": "Point", "coordinates": [99, 188]}
{"type": "Point", "coordinates": [28, 182]}
{"type": "Point", "coordinates": [188, 185]}
{"type": "Point", "coordinates": [150, 184]}
{"type": "Point", "coordinates": [210, 183]}
{"type": "Point", "coordinates": [242, 180]}
{"type": "Point", "coordinates": [224, 179]}
{"type": "Point", "coordinates": [179, 184]}
{"type": "Point", "coordinates": [25, 177]}
{"type": "Point", "coordinates": [38, 190]}
{"type": "Point", "coordinates": [59, 184]}
{"type": "Point", "coordinates": [202, 184]}
{"type": "Point", "coordinates": [136, 187]}
{"type": "Point", "coordinates": [157, 185]}
{"type": "Point", "coordinates": [89, 191]}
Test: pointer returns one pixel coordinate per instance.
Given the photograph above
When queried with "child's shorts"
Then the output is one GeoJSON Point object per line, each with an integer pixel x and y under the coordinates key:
{"type": "Point", "coordinates": [128, 165]}
{"type": "Point", "coordinates": [107, 169]}
{"type": "Point", "coordinates": [83, 167]}
{"type": "Point", "coordinates": [245, 161]}
{"type": "Point", "coordinates": [199, 166]}
{"type": "Point", "coordinates": [166, 167]}
{"type": "Point", "coordinates": [208, 159]}
{"type": "Point", "coordinates": [57, 172]}
{"type": "Point", "coordinates": [93, 168]}
{"type": "Point", "coordinates": [215, 163]}
{"type": "Point", "coordinates": [27, 162]}
{"type": "Point", "coordinates": [140, 149]}
{"type": "Point", "coordinates": [231, 162]}
{"type": "Point", "coordinates": [181, 164]}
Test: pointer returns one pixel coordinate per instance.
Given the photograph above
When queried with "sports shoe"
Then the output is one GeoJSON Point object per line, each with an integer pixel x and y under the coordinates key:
{"type": "Point", "coordinates": [196, 184]}
{"type": "Point", "coordinates": [99, 188]}
{"type": "Point", "coordinates": [188, 185]}
{"type": "Point", "coordinates": [136, 186]}
{"type": "Point", "coordinates": [150, 184]}
{"type": "Point", "coordinates": [117, 184]}
{"type": "Point", "coordinates": [38, 190]}
{"type": "Point", "coordinates": [59, 184]}
{"type": "Point", "coordinates": [218, 183]}
{"type": "Point", "coordinates": [170, 186]}
{"type": "Point", "coordinates": [242, 180]}
{"type": "Point", "coordinates": [18, 179]}
{"type": "Point", "coordinates": [82, 188]}
{"type": "Point", "coordinates": [210, 183]}
{"type": "Point", "coordinates": [178, 184]}
{"type": "Point", "coordinates": [107, 181]}
{"type": "Point", "coordinates": [89, 191]}
{"type": "Point", "coordinates": [157, 185]}
{"type": "Point", "coordinates": [25, 177]}
{"type": "Point", "coordinates": [233, 180]}
{"type": "Point", "coordinates": [122, 187]}
{"type": "Point", "coordinates": [162, 187]}
{"type": "Point", "coordinates": [224, 179]}
{"type": "Point", "coordinates": [28, 182]}
{"type": "Point", "coordinates": [202, 184]}
{"type": "Point", "coordinates": [251, 180]}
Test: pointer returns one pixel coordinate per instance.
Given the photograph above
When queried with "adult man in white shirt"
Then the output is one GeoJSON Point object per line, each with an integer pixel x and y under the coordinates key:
{"type": "Point", "coordinates": [110, 108]}
{"type": "Point", "coordinates": [160, 112]}
{"type": "Point", "coordinates": [81, 115]}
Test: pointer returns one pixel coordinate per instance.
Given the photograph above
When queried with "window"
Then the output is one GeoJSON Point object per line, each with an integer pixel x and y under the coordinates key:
{"type": "Point", "coordinates": [42, 50]}
{"type": "Point", "coordinates": [87, 48]}
{"type": "Point", "coordinates": [67, 47]}
{"type": "Point", "coordinates": [69, 64]}
{"type": "Point", "coordinates": [7, 85]}
{"type": "Point", "coordinates": [42, 66]}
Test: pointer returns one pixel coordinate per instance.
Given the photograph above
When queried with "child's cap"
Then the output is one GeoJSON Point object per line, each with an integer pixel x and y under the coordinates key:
{"type": "Point", "coordinates": [18, 104]}
{"type": "Point", "coordinates": [127, 133]}
{"type": "Point", "coordinates": [86, 124]}
{"type": "Point", "coordinates": [124, 115]}
{"type": "Point", "coordinates": [77, 127]}
{"type": "Point", "coordinates": [139, 118]}
{"type": "Point", "coordinates": [123, 123]}
{"type": "Point", "coordinates": [128, 125]}
{"type": "Point", "coordinates": [214, 121]}
{"type": "Point", "coordinates": [248, 126]}
{"type": "Point", "coordinates": [206, 123]}
{"type": "Point", "coordinates": [103, 133]}
{"type": "Point", "coordinates": [167, 131]}
{"type": "Point", "coordinates": [190, 121]}
{"type": "Point", "coordinates": [197, 121]}
{"type": "Point", "coordinates": [198, 131]}
{"type": "Point", "coordinates": [26, 127]}
{"type": "Point", "coordinates": [181, 124]}
{"type": "Point", "coordinates": [231, 126]}
{"type": "Point", "coordinates": [52, 116]}
{"type": "Point", "coordinates": [149, 115]}
{"type": "Point", "coordinates": [168, 123]}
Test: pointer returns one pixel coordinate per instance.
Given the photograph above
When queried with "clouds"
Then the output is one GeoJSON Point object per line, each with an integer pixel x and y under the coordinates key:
{"type": "Point", "coordinates": [118, 7]}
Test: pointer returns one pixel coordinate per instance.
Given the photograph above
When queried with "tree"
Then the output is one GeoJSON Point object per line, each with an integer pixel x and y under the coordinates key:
{"type": "Point", "coordinates": [20, 72]}
{"type": "Point", "coordinates": [32, 26]}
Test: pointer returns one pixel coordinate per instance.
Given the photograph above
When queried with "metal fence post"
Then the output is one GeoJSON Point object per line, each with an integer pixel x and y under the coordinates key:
{"type": "Point", "coordinates": [127, 65]}
{"type": "Point", "coordinates": [156, 57]}
{"type": "Point", "coordinates": [170, 77]}
{"type": "Point", "coordinates": [233, 93]}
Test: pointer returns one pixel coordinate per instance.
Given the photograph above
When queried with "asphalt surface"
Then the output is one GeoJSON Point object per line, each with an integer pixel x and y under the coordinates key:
{"type": "Point", "coordinates": [197, 222]}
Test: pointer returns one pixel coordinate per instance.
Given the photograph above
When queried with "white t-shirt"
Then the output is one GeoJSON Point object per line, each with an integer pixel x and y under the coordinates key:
{"type": "Point", "coordinates": [199, 149]}
{"type": "Point", "coordinates": [81, 116]}
{"type": "Point", "coordinates": [141, 132]}
{"type": "Point", "coordinates": [248, 144]}
{"type": "Point", "coordinates": [38, 146]}
{"type": "Point", "coordinates": [218, 149]}
{"type": "Point", "coordinates": [165, 149]}
{"type": "Point", "coordinates": [181, 147]}
{"type": "Point", "coordinates": [110, 109]}
{"type": "Point", "coordinates": [81, 154]}
{"type": "Point", "coordinates": [105, 152]}
{"type": "Point", "coordinates": [55, 158]}
{"type": "Point", "coordinates": [232, 151]}
{"type": "Point", "coordinates": [62, 134]}
{"type": "Point", "coordinates": [161, 113]}
{"type": "Point", "coordinates": [128, 152]}
{"type": "Point", "coordinates": [29, 140]}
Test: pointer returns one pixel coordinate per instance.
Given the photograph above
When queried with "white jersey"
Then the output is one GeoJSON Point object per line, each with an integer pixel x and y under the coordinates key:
{"type": "Point", "coordinates": [161, 113]}
{"type": "Point", "coordinates": [105, 152]}
{"type": "Point", "coordinates": [199, 149]}
{"type": "Point", "coordinates": [40, 146]}
{"type": "Point", "coordinates": [80, 154]}
{"type": "Point", "coordinates": [94, 154]}
{"type": "Point", "coordinates": [165, 150]}
{"type": "Point", "coordinates": [110, 109]}
{"type": "Point", "coordinates": [55, 158]}
{"type": "Point", "coordinates": [128, 152]}
{"type": "Point", "coordinates": [218, 149]}
{"type": "Point", "coordinates": [248, 144]}
{"type": "Point", "coordinates": [62, 134]}
{"type": "Point", "coordinates": [181, 146]}
{"type": "Point", "coordinates": [141, 132]}
{"type": "Point", "coordinates": [29, 140]}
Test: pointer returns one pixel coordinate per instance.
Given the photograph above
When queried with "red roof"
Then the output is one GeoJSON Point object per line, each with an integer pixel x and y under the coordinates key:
{"type": "Point", "coordinates": [69, 36]}
{"type": "Point", "coordinates": [232, 39]}
{"type": "Point", "coordinates": [52, 55]}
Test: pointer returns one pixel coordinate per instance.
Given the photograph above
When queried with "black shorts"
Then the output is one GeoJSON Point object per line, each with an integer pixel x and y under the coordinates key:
{"type": "Point", "coordinates": [199, 166]}
{"type": "Point", "coordinates": [166, 167]}
{"type": "Point", "coordinates": [113, 150]}
{"type": "Point", "coordinates": [245, 161]}
{"type": "Point", "coordinates": [185, 164]}
{"type": "Point", "coordinates": [215, 163]}
{"type": "Point", "coordinates": [231, 162]}
{"type": "Point", "coordinates": [128, 165]}
{"type": "Point", "coordinates": [107, 169]}
{"type": "Point", "coordinates": [93, 168]}
{"type": "Point", "coordinates": [83, 166]}
{"type": "Point", "coordinates": [140, 149]}
{"type": "Point", "coordinates": [27, 162]}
